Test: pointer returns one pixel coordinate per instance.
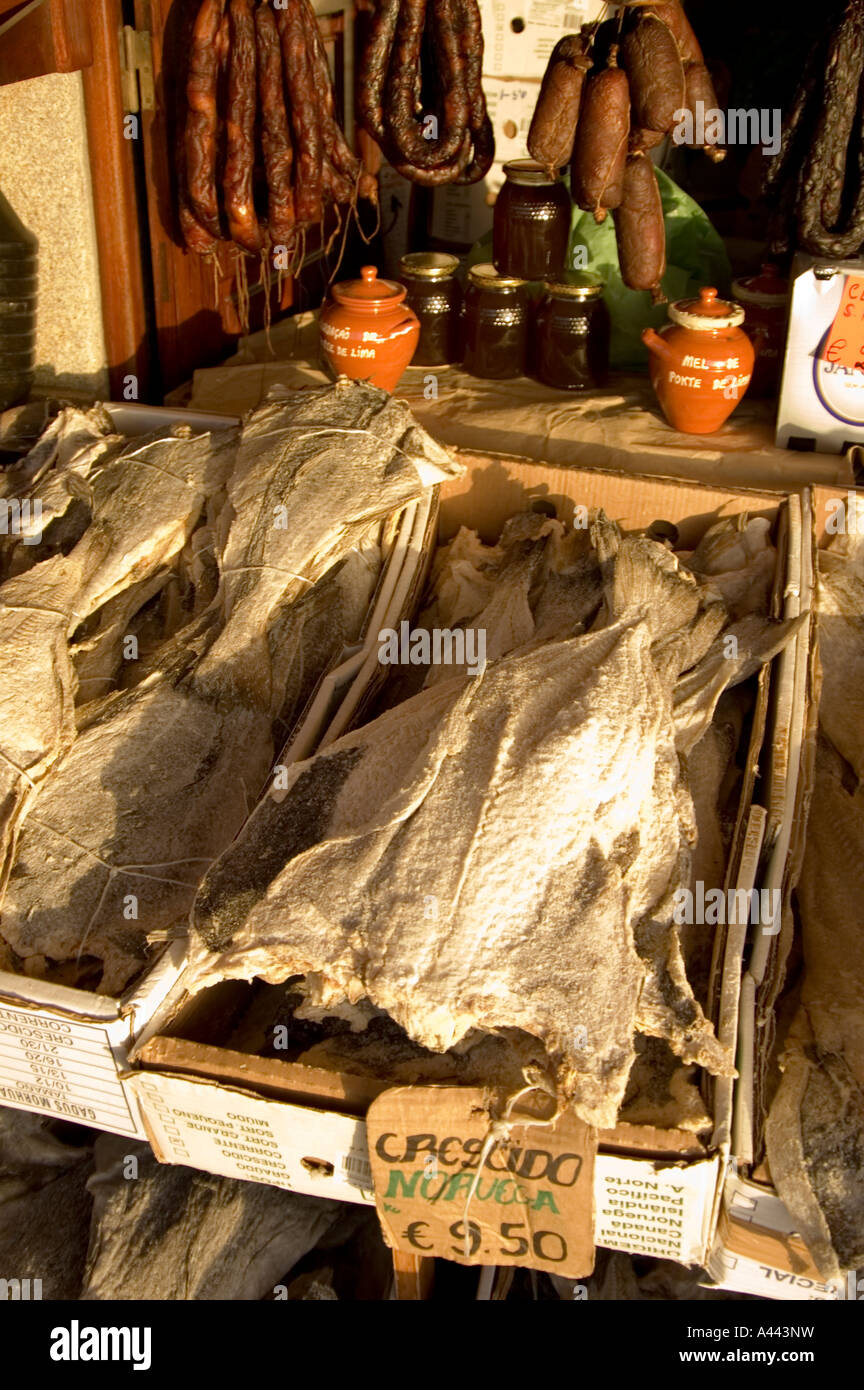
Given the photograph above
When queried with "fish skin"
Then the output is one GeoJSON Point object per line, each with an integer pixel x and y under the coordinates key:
{"type": "Point", "coordinates": [738, 558]}
{"type": "Point", "coordinates": [814, 1132]}
{"type": "Point", "coordinates": [98, 657]}
{"type": "Point", "coordinates": [139, 756]}
{"type": "Point", "coordinates": [177, 1233]}
{"type": "Point", "coordinates": [698, 690]}
{"type": "Point", "coordinates": [71, 431]}
{"type": "Point", "coordinates": [324, 881]}
{"type": "Point", "coordinates": [197, 733]}
{"type": "Point", "coordinates": [40, 609]}
{"type": "Point", "coordinates": [294, 454]}
{"type": "Point", "coordinates": [534, 947]}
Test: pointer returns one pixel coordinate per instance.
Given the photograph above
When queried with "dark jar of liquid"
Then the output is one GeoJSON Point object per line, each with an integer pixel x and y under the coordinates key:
{"type": "Point", "coordinates": [531, 225]}
{"type": "Point", "coordinates": [435, 296]}
{"type": "Point", "coordinates": [573, 328]}
{"type": "Point", "coordinates": [495, 324]}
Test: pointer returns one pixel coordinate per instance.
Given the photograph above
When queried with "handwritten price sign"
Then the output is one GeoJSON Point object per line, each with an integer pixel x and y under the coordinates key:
{"type": "Point", "coordinates": [845, 342]}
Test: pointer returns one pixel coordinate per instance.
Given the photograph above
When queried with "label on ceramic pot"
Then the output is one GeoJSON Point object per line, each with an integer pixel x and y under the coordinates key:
{"type": "Point", "coordinates": [339, 343]}
{"type": "Point", "coordinates": [732, 382]}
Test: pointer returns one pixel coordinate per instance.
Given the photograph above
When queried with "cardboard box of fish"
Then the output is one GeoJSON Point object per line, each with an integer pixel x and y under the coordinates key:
{"type": "Point", "coordinates": [793, 1220]}
{"type": "Point", "coordinates": [170, 604]}
{"type": "Point", "coordinates": [458, 783]}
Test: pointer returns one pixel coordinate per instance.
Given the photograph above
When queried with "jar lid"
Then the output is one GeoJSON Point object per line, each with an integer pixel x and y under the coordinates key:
{"type": "Point", "coordinates": [429, 265]}
{"type": "Point", "coordinates": [768, 288]}
{"type": "Point", "coordinates": [575, 284]}
{"type": "Point", "coordinates": [486, 277]}
{"type": "Point", "coordinates": [527, 171]}
{"type": "Point", "coordinates": [707, 311]}
{"type": "Point", "coordinates": [369, 291]}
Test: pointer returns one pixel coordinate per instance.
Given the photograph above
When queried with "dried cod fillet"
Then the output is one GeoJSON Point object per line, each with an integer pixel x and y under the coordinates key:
{"type": "Point", "coordinates": [162, 777]}
{"type": "Point", "coordinates": [739, 558]}
{"type": "Point", "coordinates": [815, 1129]}
{"type": "Point", "coordinates": [158, 781]}
{"type": "Point", "coordinates": [335, 458]}
{"type": "Point", "coordinates": [145, 503]}
{"type": "Point", "coordinates": [44, 1206]}
{"type": "Point", "coordinates": [71, 432]}
{"type": "Point", "coordinates": [175, 1233]}
{"type": "Point", "coordinates": [554, 913]}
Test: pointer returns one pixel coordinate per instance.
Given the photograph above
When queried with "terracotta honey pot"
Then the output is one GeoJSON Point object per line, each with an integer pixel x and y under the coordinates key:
{"type": "Point", "coordinates": [367, 333]}
{"type": "Point", "coordinates": [701, 363]}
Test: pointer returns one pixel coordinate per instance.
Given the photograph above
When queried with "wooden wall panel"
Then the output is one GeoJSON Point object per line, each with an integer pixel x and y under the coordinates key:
{"type": "Point", "coordinates": [43, 36]}
{"type": "Point", "coordinates": [189, 330]}
{"type": "Point", "coordinates": [115, 207]}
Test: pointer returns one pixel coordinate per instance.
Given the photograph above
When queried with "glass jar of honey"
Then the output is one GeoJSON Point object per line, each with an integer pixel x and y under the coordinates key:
{"type": "Point", "coordinates": [531, 225]}
{"type": "Point", "coordinates": [573, 331]}
{"type": "Point", "coordinates": [495, 324]}
{"type": "Point", "coordinates": [435, 296]}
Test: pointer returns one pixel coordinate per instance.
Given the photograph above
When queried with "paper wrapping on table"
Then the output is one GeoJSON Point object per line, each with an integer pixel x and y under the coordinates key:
{"type": "Point", "coordinates": [619, 428]}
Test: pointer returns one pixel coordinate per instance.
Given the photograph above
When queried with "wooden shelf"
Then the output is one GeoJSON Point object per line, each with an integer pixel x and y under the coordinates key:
{"type": "Point", "coordinates": [43, 36]}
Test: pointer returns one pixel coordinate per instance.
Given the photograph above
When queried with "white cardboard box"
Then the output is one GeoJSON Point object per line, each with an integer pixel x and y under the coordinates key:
{"type": "Point", "coordinates": [62, 1050]}
{"type": "Point", "coordinates": [758, 1251]}
{"type": "Point", "coordinates": [648, 1206]}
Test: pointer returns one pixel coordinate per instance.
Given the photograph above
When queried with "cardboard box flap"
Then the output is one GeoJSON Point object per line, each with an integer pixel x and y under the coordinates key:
{"type": "Point", "coordinates": [496, 488]}
{"type": "Point", "coordinates": [268, 1076]}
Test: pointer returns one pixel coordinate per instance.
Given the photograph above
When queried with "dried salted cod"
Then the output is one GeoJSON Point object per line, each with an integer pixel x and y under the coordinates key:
{"type": "Point", "coordinates": [145, 502]}
{"type": "Point", "coordinates": [735, 655]}
{"type": "Point", "coordinates": [72, 432]}
{"type": "Point", "coordinates": [97, 657]}
{"type": "Point", "coordinates": [160, 781]}
{"type": "Point", "coordinates": [44, 1207]}
{"type": "Point", "coordinates": [738, 558]}
{"type": "Point", "coordinates": [313, 471]}
{"type": "Point", "coordinates": [537, 582]}
{"type": "Point", "coordinates": [57, 510]}
{"type": "Point", "coordinates": [663, 1093]}
{"type": "Point", "coordinates": [539, 808]}
{"type": "Point", "coordinates": [505, 619]}
{"type": "Point", "coordinates": [174, 1233]}
{"type": "Point", "coordinates": [815, 1129]}
{"type": "Point", "coordinates": [308, 634]}
{"type": "Point", "coordinates": [462, 578]}
{"type": "Point", "coordinates": [157, 782]}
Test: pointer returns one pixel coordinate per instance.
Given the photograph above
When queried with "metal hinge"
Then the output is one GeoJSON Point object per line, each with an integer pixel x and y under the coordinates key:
{"type": "Point", "coordinates": [136, 70]}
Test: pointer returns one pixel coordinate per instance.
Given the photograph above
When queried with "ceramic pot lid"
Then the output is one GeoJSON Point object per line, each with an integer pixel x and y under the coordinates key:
{"type": "Point", "coordinates": [369, 292]}
{"type": "Point", "coordinates": [706, 312]}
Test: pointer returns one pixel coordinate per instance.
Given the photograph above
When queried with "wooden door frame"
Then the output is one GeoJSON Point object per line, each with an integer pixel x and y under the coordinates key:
{"type": "Point", "coordinates": [116, 211]}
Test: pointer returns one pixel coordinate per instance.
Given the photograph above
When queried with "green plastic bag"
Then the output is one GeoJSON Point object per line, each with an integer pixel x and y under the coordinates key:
{"type": "Point", "coordinates": [695, 256]}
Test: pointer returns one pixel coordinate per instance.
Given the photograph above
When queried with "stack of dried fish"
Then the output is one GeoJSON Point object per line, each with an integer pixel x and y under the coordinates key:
{"type": "Point", "coordinates": [541, 808]}
{"type": "Point", "coordinates": [815, 1128]}
{"type": "Point", "coordinates": [261, 555]}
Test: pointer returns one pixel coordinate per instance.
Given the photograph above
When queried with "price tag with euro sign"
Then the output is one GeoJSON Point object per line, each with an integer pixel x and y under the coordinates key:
{"type": "Point", "coordinates": [844, 344]}
{"type": "Point", "coordinates": [454, 1180]}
